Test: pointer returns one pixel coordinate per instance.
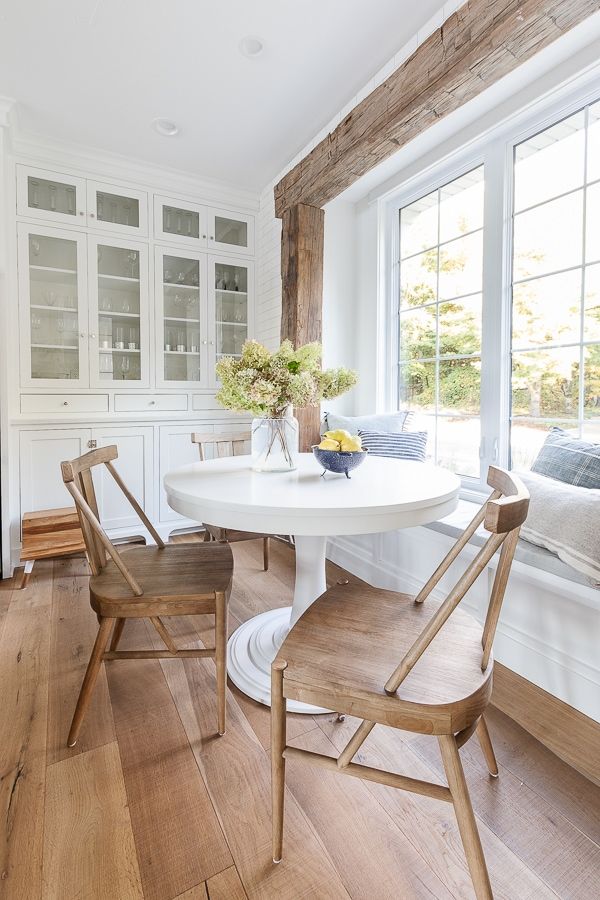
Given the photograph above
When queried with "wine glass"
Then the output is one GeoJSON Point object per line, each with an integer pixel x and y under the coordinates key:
{"type": "Point", "coordinates": [168, 275]}
{"type": "Point", "coordinates": [52, 189]}
{"type": "Point", "coordinates": [35, 201]}
{"type": "Point", "coordinates": [180, 277]}
{"type": "Point", "coordinates": [35, 247]}
{"type": "Point", "coordinates": [132, 257]}
{"type": "Point", "coordinates": [124, 367]}
{"type": "Point", "coordinates": [125, 306]}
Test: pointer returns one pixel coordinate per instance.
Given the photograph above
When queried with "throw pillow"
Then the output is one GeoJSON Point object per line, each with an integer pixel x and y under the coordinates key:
{"type": "Point", "coordinates": [568, 459]}
{"type": "Point", "coordinates": [405, 445]}
{"type": "Point", "coordinates": [389, 422]}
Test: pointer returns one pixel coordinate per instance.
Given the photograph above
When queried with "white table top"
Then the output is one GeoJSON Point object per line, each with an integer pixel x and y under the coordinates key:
{"type": "Point", "coordinates": [382, 494]}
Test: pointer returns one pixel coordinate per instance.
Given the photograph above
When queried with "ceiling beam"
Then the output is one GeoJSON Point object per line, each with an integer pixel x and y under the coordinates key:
{"type": "Point", "coordinates": [480, 43]}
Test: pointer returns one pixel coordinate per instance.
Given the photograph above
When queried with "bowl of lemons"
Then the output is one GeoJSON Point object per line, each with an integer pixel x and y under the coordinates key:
{"type": "Point", "coordinates": [339, 452]}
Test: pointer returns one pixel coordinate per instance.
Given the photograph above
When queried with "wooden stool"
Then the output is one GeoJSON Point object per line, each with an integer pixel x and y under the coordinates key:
{"type": "Point", "coordinates": [48, 534]}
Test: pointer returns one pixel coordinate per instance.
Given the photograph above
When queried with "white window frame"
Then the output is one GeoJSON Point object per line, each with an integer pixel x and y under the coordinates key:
{"type": "Point", "coordinates": [494, 151]}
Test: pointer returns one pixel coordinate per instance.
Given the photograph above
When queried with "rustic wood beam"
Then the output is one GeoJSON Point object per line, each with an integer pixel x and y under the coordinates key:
{"type": "Point", "coordinates": [302, 236]}
{"type": "Point", "coordinates": [479, 44]}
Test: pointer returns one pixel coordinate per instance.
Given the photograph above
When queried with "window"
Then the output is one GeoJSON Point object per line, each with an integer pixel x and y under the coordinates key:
{"type": "Point", "coordinates": [498, 303]}
{"type": "Point", "coordinates": [441, 252]}
{"type": "Point", "coordinates": [555, 376]}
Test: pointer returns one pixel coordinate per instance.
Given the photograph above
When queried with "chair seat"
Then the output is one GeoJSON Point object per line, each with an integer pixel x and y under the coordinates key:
{"type": "Point", "coordinates": [231, 535]}
{"type": "Point", "coordinates": [180, 579]}
{"type": "Point", "coordinates": [344, 648]}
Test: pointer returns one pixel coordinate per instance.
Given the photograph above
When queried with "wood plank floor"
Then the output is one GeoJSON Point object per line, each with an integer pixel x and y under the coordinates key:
{"type": "Point", "coordinates": [151, 804]}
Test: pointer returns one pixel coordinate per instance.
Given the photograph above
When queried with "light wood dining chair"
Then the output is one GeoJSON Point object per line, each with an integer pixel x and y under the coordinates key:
{"type": "Point", "coordinates": [229, 445]}
{"type": "Point", "coordinates": [343, 654]}
{"type": "Point", "coordinates": [145, 582]}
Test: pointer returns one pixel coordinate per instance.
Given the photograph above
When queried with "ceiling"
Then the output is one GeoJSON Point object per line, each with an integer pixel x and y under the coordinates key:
{"type": "Point", "coordinates": [96, 72]}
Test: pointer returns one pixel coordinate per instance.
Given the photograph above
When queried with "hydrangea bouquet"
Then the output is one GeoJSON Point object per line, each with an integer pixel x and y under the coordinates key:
{"type": "Point", "coordinates": [268, 384]}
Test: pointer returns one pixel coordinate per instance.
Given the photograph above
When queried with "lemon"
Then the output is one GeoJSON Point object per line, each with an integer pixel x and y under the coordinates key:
{"type": "Point", "coordinates": [329, 444]}
{"type": "Point", "coordinates": [339, 435]}
{"type": "Point", "coordinates": [351, 444]}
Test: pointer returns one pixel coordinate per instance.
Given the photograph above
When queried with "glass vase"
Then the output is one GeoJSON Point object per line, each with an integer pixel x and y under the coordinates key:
{"type": "Point", "coordinates": [274, 444]}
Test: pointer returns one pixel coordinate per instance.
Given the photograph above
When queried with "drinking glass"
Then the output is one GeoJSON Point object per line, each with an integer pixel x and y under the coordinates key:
{"type": "Point", "coordinates": [124, 366]}
{"type": "Point", "coordinates": [132, 257]}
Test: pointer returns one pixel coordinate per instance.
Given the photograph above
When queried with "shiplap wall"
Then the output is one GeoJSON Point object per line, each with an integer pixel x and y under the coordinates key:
{"type": "Point", "coordinates": [269, 228]}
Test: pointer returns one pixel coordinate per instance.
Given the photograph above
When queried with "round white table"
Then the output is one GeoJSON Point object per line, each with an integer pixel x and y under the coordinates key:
{"type": "Point", "coordinates": [382, 495]}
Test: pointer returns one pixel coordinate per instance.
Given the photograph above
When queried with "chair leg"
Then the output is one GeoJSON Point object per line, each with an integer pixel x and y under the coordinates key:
{"type": "Point", "coordinates": [117, 632]}
{"type": "Point", "coordinates": [221, 658]}
{"type": "Point", "coordinates": [266, 553]}
{"type": "Point", "coordinates": [465, 817]}
{"type": "Point", "coordinates": [89, 680]}
{"type": "Point", "coordinates": [278, 742]}
{"type": "Point", "coordinates": [485, 742]}
{"type": "Point", "coordinates": [207, 534]}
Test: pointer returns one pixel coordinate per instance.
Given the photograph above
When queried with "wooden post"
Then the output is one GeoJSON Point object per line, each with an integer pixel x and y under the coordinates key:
{"type": "Point", "coordinates": [302, 293]}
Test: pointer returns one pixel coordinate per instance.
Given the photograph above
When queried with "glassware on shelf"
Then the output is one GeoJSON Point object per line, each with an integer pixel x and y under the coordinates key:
{"type": "Point", "coordinates": [71, 201]}
{"type": "Point", "coordinates": [52, 190]}
{"type": "Point", "coordinates": [180, 277]}
{"type": "Point", "coordinates": [195, 279]}
{"type": "Point", "coordinates": [127, 214]}
{"type": "Point", "coordinates": [125, 307]}
{"type": "Point", "coordinates": [168, 276]}
{"type": "Point", "coordinates": [236, 281]}
{"type": "Point", "coordinates": [100, 208]}
{"type": "Point", "coordinates": [132, 344]}
{"type": "Point", "coordinates": [106, 304]}
{"type": "Point", "coordinates": [168, 340]}
{"type": "Point", "coordinates": [125, 366]}
{"type": "Point", "coordinates": [36, 322]}
{"type": "Point", "coordinates": [113, 212]}
{"type": "Point", "coordinates": [119, 338]}
{"type": "Point", "coordinates": [51, 298]}
{"type": "Point", "coordinates": [105, 329]}
{"type": "Point", "coordinates": [181, 341]}
{"type": "Point", "coordinates": [35, 245]}
{"type": "Point", "coordinates": [132, 258]}
{"type": "Point", "coordinates": [35, 199]}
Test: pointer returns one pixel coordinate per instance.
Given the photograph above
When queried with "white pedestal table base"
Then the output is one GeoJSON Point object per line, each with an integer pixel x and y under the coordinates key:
{"type": "Point", "coordinates": [254, 645]}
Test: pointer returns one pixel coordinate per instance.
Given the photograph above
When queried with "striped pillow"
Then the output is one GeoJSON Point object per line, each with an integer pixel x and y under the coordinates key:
{"type": "Point", "coordinates": [405, 445]}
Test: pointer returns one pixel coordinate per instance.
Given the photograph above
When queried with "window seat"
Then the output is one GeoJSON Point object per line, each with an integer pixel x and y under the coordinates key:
{"type": "Point", "coordinates": [526, 553]}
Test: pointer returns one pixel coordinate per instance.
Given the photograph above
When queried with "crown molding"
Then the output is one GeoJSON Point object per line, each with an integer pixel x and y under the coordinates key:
{"type": "Point", "coordinates": [7, 112]}
{"type": "Point", "coordinates": [80, 159]}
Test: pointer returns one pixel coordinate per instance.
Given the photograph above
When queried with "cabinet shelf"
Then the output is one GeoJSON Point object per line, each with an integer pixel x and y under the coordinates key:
{"type": "Point", "coordinates": [235, 324]}
{"type": "Point", "coordinates": [235, 293]}
{"type": "Point", "coordinates": [175, 319]}
{"type": "Point", "coordinates": [121, 315]}
{"type": "Point", "coordinates": [116, 350]}
{"type": "Point", "coordinates": [53, 347]}
{"type": "Point", "coordinates": [55, 269]}
{"type": "Point", "coordinates": [122, 278]}
{"type": "Point", "coordinates": [69, 309]}
{"type": "Point", "coordinates": [181, 353]}
{"type": "Point", "coordinates": [185, 287]}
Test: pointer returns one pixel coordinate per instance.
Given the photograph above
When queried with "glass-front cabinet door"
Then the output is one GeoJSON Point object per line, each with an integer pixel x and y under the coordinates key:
{"type": "Point", "coordinates": [119, 315]}
{"type": "Point", "coordinates": [230, 231]}
{"type": "Point", "coordinates": [230, 309]}
{"type": "Point", "coordinates": [181, 326]}
{"type": "Point", "coordinates": [178, 222]}
{"type": "Point", "coordinates": [53, 309]}
{"type": "Point", "coordinates": [116, 209]}
{"type": "Point", "coordinates": [50, 195]}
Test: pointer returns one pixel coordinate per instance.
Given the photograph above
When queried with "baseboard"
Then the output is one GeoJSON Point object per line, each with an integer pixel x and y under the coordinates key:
{"type": "Point", "coordinates": [568, 733]}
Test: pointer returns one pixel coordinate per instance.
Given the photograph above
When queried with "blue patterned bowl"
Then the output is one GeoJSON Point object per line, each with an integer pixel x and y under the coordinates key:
{"type": "Point", "coordinates": [340, 461]}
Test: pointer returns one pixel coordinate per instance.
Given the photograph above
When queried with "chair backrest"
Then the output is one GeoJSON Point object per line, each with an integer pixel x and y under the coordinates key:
{"type": "Point", "coordinates": [77, 476]}
{"type": "Point", "coordinates": [502, 514]}
{"type": "Point", "coordinates": [225, 444]}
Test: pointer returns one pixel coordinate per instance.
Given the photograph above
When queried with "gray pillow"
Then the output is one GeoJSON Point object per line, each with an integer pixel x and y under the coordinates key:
{"type": "Point", "coordinates": [390, 422]}
{"type": "Point", "coordinates": [406, 445]}
{"type": "Point", "coordinates": [564, 518]}
{"type": "Point", "coordinates": [568, 459]}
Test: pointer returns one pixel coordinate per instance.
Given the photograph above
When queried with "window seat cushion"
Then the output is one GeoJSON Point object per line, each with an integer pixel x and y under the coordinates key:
{"type": "Point", "coordinates": [526, 553]}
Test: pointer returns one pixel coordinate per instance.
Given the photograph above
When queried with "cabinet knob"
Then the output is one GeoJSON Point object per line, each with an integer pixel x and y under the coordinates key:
{"type": "Point", "coordinates": [212, 237]}
{"type": "Point", "coordinates": [93, 336]}
{"type": "Point", "coordinates": [81, 212]}
{"type": "Point", "coordinates": [92, 215]}
{"type": "Point", "coordinates": [205, 343]}
{"type": "Point", "coordinates": [152, 403]}
{"type": "Point", "coordinates": [92, 444]}
{"type": "Point", "coordinates": [82, 334]}
{"type": "Point", "coordinates": [203, 235]}
{"type": "Point", "coordinates": [65, 402]}
{"type": "Point", "coordinates": [212, 343]}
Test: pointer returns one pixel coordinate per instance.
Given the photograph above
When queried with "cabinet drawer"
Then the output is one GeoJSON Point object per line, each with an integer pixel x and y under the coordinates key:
{"type": "Point", "coordinates": [64, 403]}
{"type": "Point", "coordinates": [205, 401]}
{"type": "Point", "coordinates": [151, 402]}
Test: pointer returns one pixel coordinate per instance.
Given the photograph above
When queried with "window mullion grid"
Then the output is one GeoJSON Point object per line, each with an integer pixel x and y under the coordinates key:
{"type": "Point", "coordinates": [581, 393]}
{"type": "Point", "coordinates": [437, 329]}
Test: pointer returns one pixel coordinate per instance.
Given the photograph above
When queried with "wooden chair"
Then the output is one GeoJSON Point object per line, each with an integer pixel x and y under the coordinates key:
{"type": "Point", "coordinates": [145, 582]}
{"type": "Point", "coordinates": [228, 445]}
{"type": "Point", "coordinates": [343, 654]}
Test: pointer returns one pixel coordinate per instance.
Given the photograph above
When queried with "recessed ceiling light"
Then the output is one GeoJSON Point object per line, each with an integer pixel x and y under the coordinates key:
{"type": "Point", "coordinates": [251, 47]}
{"type": "Point", "coordinates": [165, 127]}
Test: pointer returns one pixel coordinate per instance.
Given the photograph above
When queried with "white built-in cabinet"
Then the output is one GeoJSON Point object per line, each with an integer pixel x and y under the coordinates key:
{"type": "Point", "coordinates": [127, 298]}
